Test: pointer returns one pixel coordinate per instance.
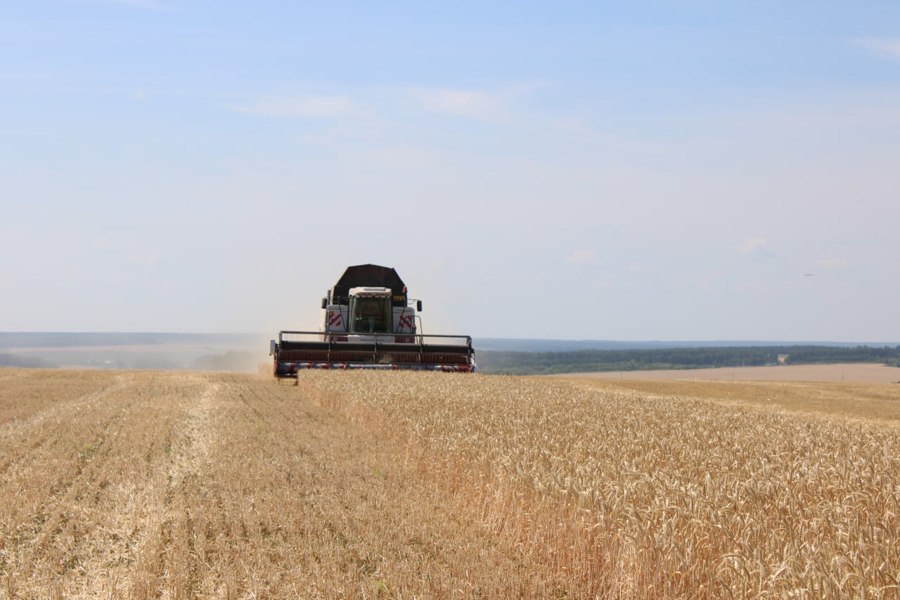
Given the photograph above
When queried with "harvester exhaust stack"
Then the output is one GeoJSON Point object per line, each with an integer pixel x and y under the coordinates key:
{"type": "Point", "coordinates": [369, 324]}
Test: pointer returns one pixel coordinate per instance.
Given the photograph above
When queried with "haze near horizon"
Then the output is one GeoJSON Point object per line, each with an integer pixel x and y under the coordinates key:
{"type": "Point", "coordinates": [656, 171]}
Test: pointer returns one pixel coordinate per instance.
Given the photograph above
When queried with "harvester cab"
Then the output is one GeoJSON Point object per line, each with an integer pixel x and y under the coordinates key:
{"type": "Point", "coordinates": [370, 324]}
{"type": "Point", "coordinates": [369, 310]}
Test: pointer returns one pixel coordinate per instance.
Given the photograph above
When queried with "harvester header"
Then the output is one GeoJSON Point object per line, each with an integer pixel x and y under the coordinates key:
{"type": "Point", "coordinates": [369, 323]}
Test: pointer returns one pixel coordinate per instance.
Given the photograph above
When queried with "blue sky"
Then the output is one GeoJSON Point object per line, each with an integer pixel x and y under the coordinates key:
{"type": "Point", "coordinates": [647, 170]}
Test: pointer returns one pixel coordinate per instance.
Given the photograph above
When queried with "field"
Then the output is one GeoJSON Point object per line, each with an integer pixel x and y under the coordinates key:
{"type": "Point", "coordinates": [148, 484]}
{"type": "Point", "coordinates": [842, 373]}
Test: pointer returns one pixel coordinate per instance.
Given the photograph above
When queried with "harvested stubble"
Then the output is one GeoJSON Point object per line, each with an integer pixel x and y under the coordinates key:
{"type": "Point", "coordinates": [206, 485]}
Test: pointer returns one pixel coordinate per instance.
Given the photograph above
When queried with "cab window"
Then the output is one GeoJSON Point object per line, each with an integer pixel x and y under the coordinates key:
{"type": "Point", "coordinates": [370, 315]}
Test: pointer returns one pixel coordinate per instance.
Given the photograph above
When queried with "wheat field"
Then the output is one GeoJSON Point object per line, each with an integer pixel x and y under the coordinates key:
{"type": "Point", "coordinates": [412, 485]}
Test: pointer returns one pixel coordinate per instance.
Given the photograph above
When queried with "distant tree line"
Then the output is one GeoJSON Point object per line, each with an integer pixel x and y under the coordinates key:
{"type": "Point", "coordinates": [11, 339]}
{"type": "Point", "coordinates": [534, 363]}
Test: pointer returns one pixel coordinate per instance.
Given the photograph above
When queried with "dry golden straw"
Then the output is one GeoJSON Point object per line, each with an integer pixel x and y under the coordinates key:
{"type": "Point", "coordinates": [410, 485]}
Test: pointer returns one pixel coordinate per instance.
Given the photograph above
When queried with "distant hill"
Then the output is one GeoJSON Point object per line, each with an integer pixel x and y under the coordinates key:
{"type": "Point", "coordinates": [247, 351]}
{"type": "Point", "coordinates": [102, 350]}
{"type": "Point", "coordinates": [85, 339]}
{"type": "Point", "coordinates": [26, 362]}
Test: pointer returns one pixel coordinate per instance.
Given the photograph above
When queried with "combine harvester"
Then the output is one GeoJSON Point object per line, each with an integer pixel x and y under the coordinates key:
{"type": "Point", "coordinates": [369, 324]}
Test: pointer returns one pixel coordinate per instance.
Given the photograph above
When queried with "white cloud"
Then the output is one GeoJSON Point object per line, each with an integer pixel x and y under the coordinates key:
{"type": "Point", "coordinates": [832, 264]}
{"type": "Point", "coordinates": [884, 47]}
{"type": "Point", "coordinates": [499, 107]}
{"type": "Point", "coordinates": [472, 104]}
{"type": "Point", "coordinates": [583, 257]}
{"type": "Point", "coordinates": [571, 125]}
{"type": "Point", "coordinates": [300, 106]}
{"type": "Point", "coordinates": [100, 243]}
{"type": "Point", "coordinates": [146, 260]}
{"type": "Point", "coordinates": [755, 246]}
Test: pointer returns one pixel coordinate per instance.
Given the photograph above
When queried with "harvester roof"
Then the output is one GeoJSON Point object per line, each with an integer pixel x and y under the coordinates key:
{"type": "Point", "coordinates": [369, 276]}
